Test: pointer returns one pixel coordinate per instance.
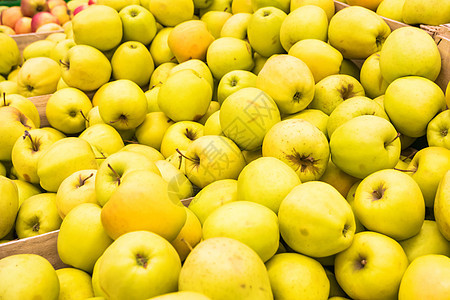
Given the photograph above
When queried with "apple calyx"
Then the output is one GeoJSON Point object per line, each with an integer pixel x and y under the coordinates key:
{"type": "Point", "coordinates": [142, 260]}
{"type": "Point", "coordinates": [379, 41]}
{"type": "Point", "coordinates": [34, 143]}
{"type": "Point", "coordinates": [303, 162]}
{"type": "Point", "coordinates": [361, 263]}
{"type": "Point", "coordinates": [115, 173]}
{"type": "Point", "coordinates": [82, 181]}
{"type": "Point", "coordinates": [36, 226]}
{"type": "Point", "coordinates": [345, 230]}
{"type": "Point", "coordinates": [297, 97]}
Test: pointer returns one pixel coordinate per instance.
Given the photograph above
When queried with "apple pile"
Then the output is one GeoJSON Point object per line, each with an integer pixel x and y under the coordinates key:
{"type": "Point", "coordinates": [302, 175]}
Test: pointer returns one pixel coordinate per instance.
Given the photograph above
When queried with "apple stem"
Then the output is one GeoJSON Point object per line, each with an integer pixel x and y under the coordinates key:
{"type": "Point", "coordinates": [64, 63]}
{"type": "Point", "coordinates": [84, 117]}
{"type": "Point", "coordinates": [4, 98]}
{"type": "Point", "coordinates": [188, 158]}
{"type": "Point", "coordinates": [398, 135]}
{"type": "Point", "coordinates": [83, 181]}
{"type": "Point", "coordinates": [401, 170]}
{"type": "Point", "coordinates": [130, 142]}
{"type": "Point", "coordinates": [26, 134]}
{"type": "Point", "coordinates": [115, 173]}
{"type": "Point", "coordinates": [187, 244]}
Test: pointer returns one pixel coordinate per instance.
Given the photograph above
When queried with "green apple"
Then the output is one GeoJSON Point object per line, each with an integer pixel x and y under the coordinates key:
{"type": "Point", "coordinates": [159, 48]}
{"type": "Point", "coordinates": [170, 15]}
{"type": "Point", "coordinates": [14, 124]}
{"type": "Point", "coordinates": [247, 115]}
{"type": "Point", "coordinates": [226, 54]}
{"type": "Point", "coordinates": [185, 96]}
{"type": "Point", "coordinates": [37, 215]}
{"type": "Point", "coordinates": [66, 110]}
{"type": "Point", "coordinates": [114, 167]}
{"type": "Point", "coordinates": [372, 267]}
{"type": "Point", "coordinates": [27, 150]}
{"type": "Point", "coordinates": [267, 181]}
{"type": "Point", "coordinates": [132, 61]}
{"type": "Point", "coordinates": [185, 295]}
{"type": "Point", "coordinates": [85, 67]}
{"type": "Point", "coordinates": [233, 81]}
{"type": "Point", "coordinates": [189, 236]}
{"type": "Point", "coordinates": [340, 180]}
{"type": "Point", "coordinates": [104, 140]}
{"type": "Point", "coordinates": [316, 220]}
{"type": "Point", "coordinates": [58, 52]}
{"type": "Point", "coordinates": [74, 284]}
{"type": "Point", "coordinates": [321, 58]}
{"type": "Point", "coordinates": [212, 196]}
{"type": "Point", "coordinates": [390, 202]}
{"type": "Point", "coordinates": [333, 90]}
{"type": "Point", "coordinates": [210, 158]}
{"type": "Point", "coordinates": [10, 55]}
{"type": "Point", "coordinates": [152, 99]}
{"type": "Point", "coordinates": [138, 24]}
{"type": "Point", "coordinates": [106, 20]}
{"type": "Point", "coordinates": [365, 144]}
{"type": "Point", "coordinates": [198, 66]}
{"type": "Point", "coordinates": [154, 208]}
{"type": "Point", "coordinates": [139, 265]}
{"type": "Point", "coordinates": [264, 25]}
{"type": "Point", "coordinates": [411, 102]}
{"type": "Point", "coordinates": [28, 276]}
{"type": "Point", "coordinates": [441, 206]}
{"type": "Point", "coordinates": [26, 106]}
{"type": "Point", "coordinates": [82, 223]}
{"type": "Point", "coordinates": [370, 76]}
{"type": "Point", "coordinates": [288, 81]}
{"type": "Point", "coordinates": [61, 159]}
{"type": "Point", "coordinates": [152, 130]}
{"type": "Point", "coordinates": [149, 152]}
{"type": "Point", "coordinates": [427, 277]}
{"type": "Point", "coordinates": [224, 268]}
{"type": "Point", "coordinates": [161, 73]}
{"type": "Point", "coordinates": [38, 76]}
{"type": "Point", "coordinates": [430, 13]}
{"type": "Point", "coordinates": [326, 5]}
{"type": "Point", "coordinates": [9, 205]}
{"type": "Point", "coordinates": [429, 240]}
{"type": "Point", "coordinates": [236, 26]}
{"type": "Point", "coordinates": [316, 117]}
{"type": "Point", "coordinates": [212, 125]}
{"type": "Point", "coordinates": [26, 190]}
{"type": "Point", "coordinates": [409, 51]}
{"type": "Point", "coordinates": [215, 21]}
{"type": "Point", "coordinates": [391, 9]}
{"type": "Point", "coordinates": [40, 48]}
{"type": "Point", "coordinates": [77, 188]}
{"type": "Point", "coordinates": [248, 222]}
{"type": "Point", "coordinates": [214, 106]}
{"type": "Point", "coordinates": [351, 108]}
{"type": "Point", "coordinates": [9, 87]}
{"type": "Point", "coordinates": [300, 145]}
{"type": "Point", "coordinates": [428, 166]}
{"type": "Point", "coordinates": [122, 104]}
{"type": "Point", "coordinates": [356, 39]}
{"type": "Point", "coordinates": [178, 184]}
{"type": "Point", "coordinates": [296, 276]}
{"type": "Point", "coordinates": [438, 130]}
{"type": "Point", "coordinates": [305, 22]}
{"type": "Point", "coordinates": [179, 136]}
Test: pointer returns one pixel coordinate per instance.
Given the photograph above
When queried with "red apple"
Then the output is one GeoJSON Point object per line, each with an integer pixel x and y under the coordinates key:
{"type": "Point", "coordinates": [61, 12]}
{"type": "Point", "coordinates": [23, 25]}
{"type": "Point", "coordinates": [80, 8]}
{"type": "Point", "coordinates": [90, 2]}
{"type": "Point", "coordinates": [31, 7]}
{"type": "Point", "coordinates": [10, 16]}
{"type": "Point", "coordinates": [42, 18]}
{"type": "Point", "coordinates": [52, 3]}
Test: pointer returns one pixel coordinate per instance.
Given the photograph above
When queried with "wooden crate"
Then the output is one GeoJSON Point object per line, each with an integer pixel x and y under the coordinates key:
{"type": "Point", "coordinates": [25, 39]}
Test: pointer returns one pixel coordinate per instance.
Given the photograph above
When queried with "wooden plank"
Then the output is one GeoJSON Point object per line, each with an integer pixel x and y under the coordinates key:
{"type": "Point", "coordinates": [41, 103]}
{"type": "Point", "coordinates": [43, 245]}
{"type": "Point", "coordinates": [441, 35]}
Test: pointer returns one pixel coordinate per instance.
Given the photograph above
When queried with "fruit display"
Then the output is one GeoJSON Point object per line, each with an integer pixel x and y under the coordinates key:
{"type": "Point", "coordinates": [225, 149]}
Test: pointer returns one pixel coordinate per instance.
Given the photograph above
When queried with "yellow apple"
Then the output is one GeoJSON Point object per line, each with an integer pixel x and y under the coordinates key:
{"type": "Point", "coordinates": [236, 26]}
{"type": "Point", "coordinates": [159, 48]}
{"type": "Point", "coordinates": [9, 205]}
{"type": "Point", "coordinates": [38, 76]}
{"type": "Point", "coordinates": [190, 235]}
{"type": "Point", "coordinates": [326, 5]}
{"type": "Point", "coordinates": [152, 130]}
{"type": "Point", "coordinates": [74, 284]}
{"type": "Point", "coordinates": [429, 12]}
{"type": "Point", "coordinates": [171, 13]}
{"type": "Point", "coordinates": [391, 9]}
{"type": "Point", "coordinates": [10, 55]}
{"type": "Point", "coordinates": [441, 206]}
{"type": "Point", "coordinates": [38, 49]}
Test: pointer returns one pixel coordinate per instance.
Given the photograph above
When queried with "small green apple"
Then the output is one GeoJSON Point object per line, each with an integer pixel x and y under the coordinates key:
{"type": "Point", "coordinates": [38, 76]}
{"type": "Point", "coordinates": [316, 220]}
{"type": "Point", "coordinates": [25, 105]}
{"type": "Point", "coordinates": [233, 81]}
{"type": "Point", "coordinates": [159, 47]}
{"type": "Point", "coordinates": [316, 117]}
{"type": "Point", "coordinates": [212, 125]}
{"type": "Point", "coordinates": [438, 130]}
{"type": "Point", "coordinates": [179, 136]}
{"type": "Point", "coordinates": [138, 23]}
{"type": "Point", "coordinates": [326, 5]}
{"type": "Point", "coordinates": [40, 48]}
{"type": "Point", "coordinates": [152, 130]}
{"type": "Point", "coordinates": [26, 190]}
{"type": "Point", "coordinates": [370, 76]}
{"type": "Point", "coordinates": [215, 21]}
{"type": "Point", "coordinates": [236, 26]}
{"type": "Point", "coordinates": [58, 52]}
